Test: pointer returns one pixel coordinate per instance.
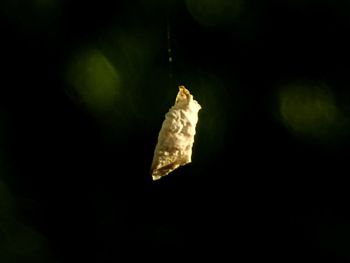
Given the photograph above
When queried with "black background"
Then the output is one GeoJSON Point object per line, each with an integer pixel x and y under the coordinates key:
{"type": "Point", "coordinates": [81, 187]}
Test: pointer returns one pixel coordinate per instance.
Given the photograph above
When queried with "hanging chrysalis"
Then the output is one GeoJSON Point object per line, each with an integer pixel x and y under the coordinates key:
{"type": "Point", "coordinates": [176, 137]}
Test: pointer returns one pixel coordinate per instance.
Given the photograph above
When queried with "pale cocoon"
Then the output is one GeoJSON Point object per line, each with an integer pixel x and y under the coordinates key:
{"type": "Point", "coordinates": [176, 137]}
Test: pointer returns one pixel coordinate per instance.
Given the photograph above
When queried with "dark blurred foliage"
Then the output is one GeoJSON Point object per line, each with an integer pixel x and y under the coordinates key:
{"type": "Point", "coordinates": [84, 89]}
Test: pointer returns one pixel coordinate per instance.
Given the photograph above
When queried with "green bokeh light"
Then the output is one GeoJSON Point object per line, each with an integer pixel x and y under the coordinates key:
{"type": "Point", "coordinates": [214, 12]}
{"type": "Point", "coordinates": [309, 110]}
{"type": "Point", "coordinates": [95, 80]}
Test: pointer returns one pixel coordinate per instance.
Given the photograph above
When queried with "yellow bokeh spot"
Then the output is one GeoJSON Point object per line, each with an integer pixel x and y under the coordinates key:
{"type": "Point", "coordinates": [95, 81]}
{"type": "Point", "coordinates": [214, 12]}
{"type": "Point", "coordinates": [309, 110]}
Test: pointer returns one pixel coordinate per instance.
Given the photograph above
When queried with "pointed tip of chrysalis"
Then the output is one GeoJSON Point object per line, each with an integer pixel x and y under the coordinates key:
{"type": "Point", "coordinates": [183, 90]}
{"type": "Point", "coordinates": [183, 94]}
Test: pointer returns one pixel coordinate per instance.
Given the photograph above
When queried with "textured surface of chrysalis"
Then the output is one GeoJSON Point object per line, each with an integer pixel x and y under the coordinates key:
{"type": "Point", "coordinates": [176, 137]}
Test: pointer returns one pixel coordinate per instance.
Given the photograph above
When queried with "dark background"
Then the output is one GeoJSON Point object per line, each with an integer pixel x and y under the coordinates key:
{"type": "Point", "coordinates": [74, 173]}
